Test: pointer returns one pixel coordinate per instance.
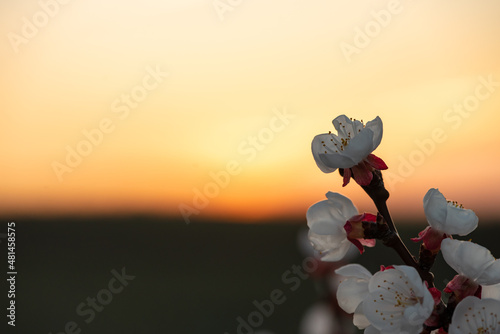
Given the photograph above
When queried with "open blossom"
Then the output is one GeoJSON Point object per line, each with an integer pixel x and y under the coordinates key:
{"type": "Point", "coordinates": [327, 220]}
{"type": "Point", "coordinates": [474, 315]}
{"type": "Point", "coordinates": [445, 218]}
{"type": "Point", "coordinates": [392, 301]}
{"type": "Point", "coordinates": [474, 264]}
{"type": "Point", "coordinates": [350, 149]}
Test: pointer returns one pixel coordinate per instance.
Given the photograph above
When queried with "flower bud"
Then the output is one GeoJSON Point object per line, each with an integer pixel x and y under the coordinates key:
{"type": "Point", "coordinates": [355, 230]}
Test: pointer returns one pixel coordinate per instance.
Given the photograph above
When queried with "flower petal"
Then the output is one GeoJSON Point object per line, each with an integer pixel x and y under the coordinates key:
{"type": "Point", "coordinates": [460, 221]}
{"type": "Point", "coordinates": [471, 260]}
{"type": "Point", "coordinates": [354, 270]}
{"type": "Point", "coordinates": [331, 247]}
{"type": "Point", "coordinates": [362, 174]}
{"type": "Point", "coordinates": [317, 148]}
{"type": "Point", "coordinates": [435, 208]}
{"type": "Point", "coordinates": [368, 242]}
{"type": "Point", "coordinates": [347, 177]}
{"type": "Point", "coordinates": [351, 293]}
{"type": "Point", "coordinates": [490, 275]}
{"type": "Point", "coordinates": [371, 330]}
{"type": "Point", "coordinates": [343, 204]}
{"type": "Point", "coordinates": [378, 128]}
{"type": "Point", "coordinates": [322, 218]}
{"type": "Point", "coordinates": [359, 319]}
{"type": "Point", "coordinates": [360, 146]}
{"type": "Point", "coordinates": [336, 160]}
{"type": "Point", "coordinates": [343, 125]}
{"type": "Point", "coordinates": [325, 217]}
{"type": "Point", "coordinates": [474, 315]}
{"type": "Point", "coordinates": [376, 162]}
{"type": "Point", "coordinates": [491, 291]}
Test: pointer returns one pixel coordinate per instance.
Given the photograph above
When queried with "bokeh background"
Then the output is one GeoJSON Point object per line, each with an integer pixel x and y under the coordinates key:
{"type": "Point", "coordinates": [118, 118]}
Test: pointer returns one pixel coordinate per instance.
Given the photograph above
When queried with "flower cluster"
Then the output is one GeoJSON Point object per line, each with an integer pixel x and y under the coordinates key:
{"type": "Point", "coordinates": [399, 298]}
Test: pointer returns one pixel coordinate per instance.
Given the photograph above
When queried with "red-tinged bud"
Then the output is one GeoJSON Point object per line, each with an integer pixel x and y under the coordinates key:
{"type": "Point", "coordinates": [463, 287]}
{"type": "Point", "coordinates": [356, 231]}
{"type": "Point", "coordinates": [431, 238]}
{"type": "Point", "coordinates": [384, 268]}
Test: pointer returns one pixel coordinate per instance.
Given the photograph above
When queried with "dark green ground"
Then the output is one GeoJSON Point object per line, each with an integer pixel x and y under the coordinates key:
{"type": "Point", "coordinates": [194, 278]}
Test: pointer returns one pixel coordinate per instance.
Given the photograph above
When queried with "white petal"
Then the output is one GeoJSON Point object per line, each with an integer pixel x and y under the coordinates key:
{"type": "Point", "coordinates": [360, 146]}
{"type": "Point", "coordinates": [324, 242]}
{"type": "Point", "coordinates": [337, 160]}
{"type": "Point", "coordinates": [337, 254]}
{"type": "Point", "coordinates": [343, 204]}
{"type": "Point", "coordinates": [435, 208]}
{"type": "Point", "coordinates": [317, 148]}
{"type": "Point", "coordinates": [474, 315]}
{"type": "Point", "coordinates": [359, 320]}
{"type": "Point", "coordinates": [470, 260]}
{"type": "Point", "coordinates": [353, 289]}
{"type": "Point", "coordinates": [351, 293]}
{"type": "Point", "coordinates": [371, 330]}
{"type": "Point", "coordinates": [323, 218]}
{"type": "Point", "coordinates": [329, 216]}
{"type": "Point", "coordinates": [491, 291]}
{"type": "Point", "coordinates": [491, 275]}
{"type": "Point", "coordinates": [354, 270]}
{"type": "Point", "coordinates": [331, 247]}
{"type": "Point", "coordinates": [460, 221]}
{"type": "Point", "coordinates": [343, 125]}
{"type": "Point", "coordinates": [377, 127]}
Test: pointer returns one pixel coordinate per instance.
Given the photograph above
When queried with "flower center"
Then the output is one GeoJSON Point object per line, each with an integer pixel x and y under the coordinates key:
{"type": "Point", "coordinates": [402, 300]}
{"type": "Point", "coordinates": [341, 141]}
{"type": "Point", "coordinates": [455, 204]}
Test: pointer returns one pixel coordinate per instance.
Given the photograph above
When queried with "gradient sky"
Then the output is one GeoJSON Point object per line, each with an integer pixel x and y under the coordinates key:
{"type": "Point", "coordinates": [229, 73]}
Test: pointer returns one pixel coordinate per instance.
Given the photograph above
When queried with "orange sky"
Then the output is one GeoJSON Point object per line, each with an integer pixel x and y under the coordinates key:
{"type": "Point", "coordinates": [181, 90]}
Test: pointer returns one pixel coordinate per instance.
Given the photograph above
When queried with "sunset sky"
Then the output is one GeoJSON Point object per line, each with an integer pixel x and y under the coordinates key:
{"type": "Point", "coordinates": [134, 106]}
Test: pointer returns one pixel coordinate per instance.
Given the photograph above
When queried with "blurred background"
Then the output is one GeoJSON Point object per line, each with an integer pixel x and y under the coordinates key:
{"type": "Point", "coordinates": [172, 138]}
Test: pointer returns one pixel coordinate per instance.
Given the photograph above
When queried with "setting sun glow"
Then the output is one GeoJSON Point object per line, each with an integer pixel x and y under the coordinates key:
{"type": "Point", "coordinates": [168, 107]}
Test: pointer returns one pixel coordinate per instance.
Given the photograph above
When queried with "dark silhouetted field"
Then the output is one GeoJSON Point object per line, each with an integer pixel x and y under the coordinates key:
{"type": "Point", "coordinates": [188, 279]}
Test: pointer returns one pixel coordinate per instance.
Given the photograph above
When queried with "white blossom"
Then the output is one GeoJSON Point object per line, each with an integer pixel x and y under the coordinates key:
{"type": "Point", "coordinates": [394, 300]}
{"type": "Point", "coordinates": [476, 316]}
{"type": "Point", "coordinates": [350, 148]}
{"type": "Point", "coordinates": [448, 216]}
{"type": "Point", "coordinates": [326, 220]}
